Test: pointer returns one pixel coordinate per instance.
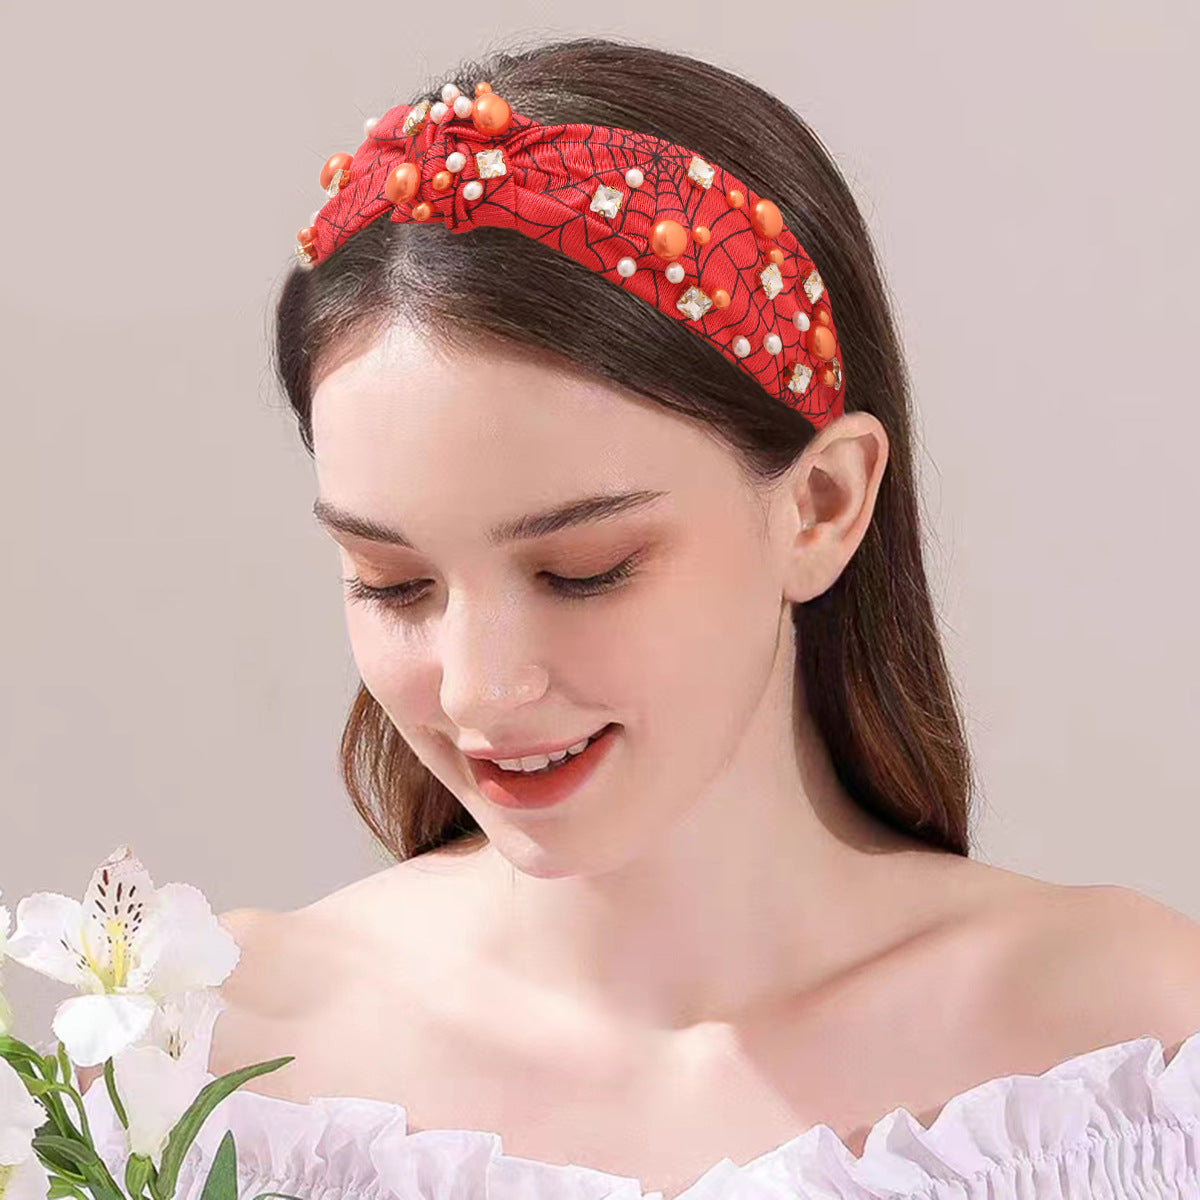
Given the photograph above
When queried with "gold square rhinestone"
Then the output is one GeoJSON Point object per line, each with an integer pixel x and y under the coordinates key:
{"type": "Point", "coordinates": [799, 379]}
{"type": "Point", "coordinates": [416, 118]}
{"type": "Point", "coordinates": [490, 163]}
{"type": "Point", "coordinates": [700, 172]}
{"type": "Point", "coordinates": [771, 279]}
{"type": "Point", "coordinates": [694, 303]}
{"type": "Point", "coordinates": [606, 200]}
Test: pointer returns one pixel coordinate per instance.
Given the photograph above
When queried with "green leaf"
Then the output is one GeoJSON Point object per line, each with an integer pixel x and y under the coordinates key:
{"type": "Point", "coordinates": [221, 1183]}
{"type": "Point", "coordinates": [50, 1066]}
{"type": "Point", "coordinates": [55, 1162]}
{"type": "Point", "coordinates": [74, 1152]}
{"type": "Point", "coordinates": [20, 1056]}
{"type": "Point", "coordinates": [188, 1126]}
{"type": "Point", "coordinates": [93, 1174]}
{"type": "Point", "coordinates": [60, 1189]}
{"type": "Point", "coordinates": [53, 1149]}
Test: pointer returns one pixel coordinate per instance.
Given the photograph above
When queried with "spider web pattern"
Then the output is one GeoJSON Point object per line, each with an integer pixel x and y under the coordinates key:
{"type": "Point", "coordinates": [552, 173]}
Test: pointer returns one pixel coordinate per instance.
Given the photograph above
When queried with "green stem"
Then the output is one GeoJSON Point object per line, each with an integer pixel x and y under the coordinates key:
{"type": "Point", "coordinates": [65, 1063]}
{"type": "Point", "coordinates": [68, 1090]}
{"type": "Point", "coordinates": [110, 1082]}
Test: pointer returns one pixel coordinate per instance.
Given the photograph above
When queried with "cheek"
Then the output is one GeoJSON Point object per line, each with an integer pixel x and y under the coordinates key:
{"type": "Point", "coordinates": [713, 643]}
{"type": "Point", "coordinates": [393, 665]}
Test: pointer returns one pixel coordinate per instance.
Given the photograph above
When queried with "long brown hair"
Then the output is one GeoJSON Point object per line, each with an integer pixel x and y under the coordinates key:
{"type": "Point", "coordinates": [871, 662]}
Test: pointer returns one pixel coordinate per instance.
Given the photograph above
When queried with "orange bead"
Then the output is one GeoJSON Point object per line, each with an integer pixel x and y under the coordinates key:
{"type": "Point", "coordinates": [720, 298]}
{"type": "Point", "coordinates": [735, 198]}
{"type": "Point", "coordinates": [306, 236]}
{"type": "Point", "coordinates": [701, 234]}
{"type": "Point", "coordinates": [822, 316]}
{"type": "Point", "coordinates": [775, 255]}
{"type": "Point", "coordinates": [828, 378]}
{"type": "Point", "coordinates": [668, 239]}
{"type": "Point", "coordinates": [442, 181]}
{"type": "Point", "coordinates": [402, 183]}
{"type": "Point", "coordinates": [766, 218]}
{"type": "Point", "coordinates": [422, 211]}
{"type": "Point", "coordinates": [491, 114]}
{"type": "Point", "coordinates": [480, 88]}
{"type": "Point", "coordinates": [335, 162]}
{"type": "Point", "coordinates": [821, 342]}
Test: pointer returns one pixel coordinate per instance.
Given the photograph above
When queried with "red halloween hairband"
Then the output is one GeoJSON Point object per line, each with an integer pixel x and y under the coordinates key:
{"type": "Point", "coordinates": [650, 216]}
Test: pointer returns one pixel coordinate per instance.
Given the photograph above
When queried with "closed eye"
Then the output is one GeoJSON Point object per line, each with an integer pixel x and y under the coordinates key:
{"type": "Point", "coordinates": [405, 595]}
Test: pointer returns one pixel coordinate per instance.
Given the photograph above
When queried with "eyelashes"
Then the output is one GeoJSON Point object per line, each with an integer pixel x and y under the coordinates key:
{"type": "Point", "coordinates": [401, 596]}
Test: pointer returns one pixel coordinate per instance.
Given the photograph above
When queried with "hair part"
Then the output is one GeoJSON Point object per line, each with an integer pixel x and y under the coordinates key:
{"type": "Point", "coordinates": [869, 655]}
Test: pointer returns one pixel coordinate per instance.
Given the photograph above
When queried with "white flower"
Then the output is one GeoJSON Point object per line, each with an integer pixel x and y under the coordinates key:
{"type": "Point", "coordinates": [5, 1012]}
{"type": "Point", "coordinates": [22, 1176]}
{"type": "Point", "coordinates": [128, 947]}
{"type": "Point", "coordinates": [159, 1080]}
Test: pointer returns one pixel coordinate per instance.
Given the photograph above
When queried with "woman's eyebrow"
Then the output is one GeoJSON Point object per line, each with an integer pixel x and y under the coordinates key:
{"type": "Point", "coordinates": [584, 510]}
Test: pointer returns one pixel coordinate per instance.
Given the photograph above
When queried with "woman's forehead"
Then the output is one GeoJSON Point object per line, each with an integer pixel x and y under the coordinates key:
{"type": "Point", "coordinates": [404, 396]}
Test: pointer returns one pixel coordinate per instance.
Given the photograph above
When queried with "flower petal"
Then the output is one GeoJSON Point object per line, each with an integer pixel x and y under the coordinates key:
{"type": "Point", "coordinates": [93, 1028]}
{"type": "Point", "coordinates": [28, 1181]}
{"type": "Point", "coordinates": [182, 1024]}
{"type": "Point", "coordinates": [20, 1115]}
{"type": "Point", "coordinates": [156, 1090]}
{"type": "Point", "coordinates": [47, 938]}
{"type": "Point", "coordinates": [118, 899]}
{"type": "Point", "coordinates": [182, 945]}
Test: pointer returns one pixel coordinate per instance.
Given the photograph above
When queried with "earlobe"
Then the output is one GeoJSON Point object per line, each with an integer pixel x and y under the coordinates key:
{"type": "Point", "coordinates": [800, 580]}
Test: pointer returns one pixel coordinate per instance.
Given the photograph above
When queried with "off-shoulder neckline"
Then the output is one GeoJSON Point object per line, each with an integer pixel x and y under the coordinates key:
{"type": "Point", "coordinates": [1123, 1082]}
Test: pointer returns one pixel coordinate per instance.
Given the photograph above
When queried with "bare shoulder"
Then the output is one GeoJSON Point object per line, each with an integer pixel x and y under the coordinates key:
{"type": "Point", "coordinates": [1077, 967]}
{"type": "Point", "coordinates": [294, 966]}
{"type": "Point", "coordinates": [302, 972]}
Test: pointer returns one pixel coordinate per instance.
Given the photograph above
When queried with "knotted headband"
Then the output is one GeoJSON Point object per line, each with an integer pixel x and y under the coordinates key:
{"type": "Point", "coordinates": [649, 215]}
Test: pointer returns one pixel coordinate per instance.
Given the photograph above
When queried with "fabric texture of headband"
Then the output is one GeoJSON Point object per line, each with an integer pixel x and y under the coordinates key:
{"type": "Point", "coordinates": [649, 215]}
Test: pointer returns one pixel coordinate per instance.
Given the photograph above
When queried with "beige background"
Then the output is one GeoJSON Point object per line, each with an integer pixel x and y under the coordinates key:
{"type": "Point", "coordinates": [175, 668]}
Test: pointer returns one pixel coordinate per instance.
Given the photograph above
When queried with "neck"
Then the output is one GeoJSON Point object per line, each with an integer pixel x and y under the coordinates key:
{"type": "Point", "coordinates": [773, 882]}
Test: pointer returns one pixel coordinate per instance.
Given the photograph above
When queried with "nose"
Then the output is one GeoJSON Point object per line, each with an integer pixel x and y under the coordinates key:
{"type": "Point", "coordinates": [488, 659]}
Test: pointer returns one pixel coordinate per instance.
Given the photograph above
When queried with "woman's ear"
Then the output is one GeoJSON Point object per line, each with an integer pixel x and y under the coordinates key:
{"type": "Point", "coordinates": [829, 502]}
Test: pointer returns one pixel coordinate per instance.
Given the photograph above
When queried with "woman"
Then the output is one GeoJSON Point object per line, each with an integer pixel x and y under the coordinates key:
{"type": "Point", "coordinates": [740, 921]}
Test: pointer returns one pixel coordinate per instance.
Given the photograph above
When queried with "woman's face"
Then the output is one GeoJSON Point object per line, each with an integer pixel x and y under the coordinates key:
{"type": "Point", "coordinates": [480, 645]}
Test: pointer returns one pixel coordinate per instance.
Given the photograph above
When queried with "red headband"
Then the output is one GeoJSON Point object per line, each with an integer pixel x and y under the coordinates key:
{"type": "Point", "coordinates": [649, 215]}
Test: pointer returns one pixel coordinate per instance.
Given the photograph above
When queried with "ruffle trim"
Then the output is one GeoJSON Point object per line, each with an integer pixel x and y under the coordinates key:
{"type": "Point", "coordinates": [1118, 1114]}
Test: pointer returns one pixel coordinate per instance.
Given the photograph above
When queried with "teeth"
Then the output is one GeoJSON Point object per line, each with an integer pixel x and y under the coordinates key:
{"type": "Point", "coordinates": [538, 762]}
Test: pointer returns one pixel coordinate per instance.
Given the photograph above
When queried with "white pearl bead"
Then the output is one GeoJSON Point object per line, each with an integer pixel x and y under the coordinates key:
{"type": "Point", "coordinates": [473, 189]}
{"type": "Point", "coordinates": [463, 106]}
{"type": "Point", "coordinates": [773, 343]}
{"type": "Point", "coordinates": [634, 177]}
{"type": "Point", "coordinates": [626, 266]}
{"type": "Point", "coordinates": [801, 321]}
{"type": "Point", "coordinates": [456, 161]}
{"type": "Point", "coordinates": [450, 92]}
{"type": "Point", "coordinates": [674, 272]}
{"type": "Point", "coordinates": [439, 112]}
{"type": "Point", "coordinates": [741, 347]}
{"type": "Point", "coordinates": [368, 125]}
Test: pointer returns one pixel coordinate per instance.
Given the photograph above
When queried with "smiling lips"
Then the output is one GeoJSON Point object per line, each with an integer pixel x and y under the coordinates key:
{"type": "Point", "coordinates": [544, 787]}
{"type": "Point", "coordinates": [537, 751]}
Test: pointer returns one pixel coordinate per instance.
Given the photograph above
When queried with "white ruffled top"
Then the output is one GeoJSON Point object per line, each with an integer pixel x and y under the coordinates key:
{"type": "Point", "coordinates": [1117, 1123]}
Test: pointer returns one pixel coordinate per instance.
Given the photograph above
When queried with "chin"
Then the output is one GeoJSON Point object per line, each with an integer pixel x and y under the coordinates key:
{"type": "Point", "coordinates": [551, 859]}
{"type": "Point", "coordinates": [532, 859]}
